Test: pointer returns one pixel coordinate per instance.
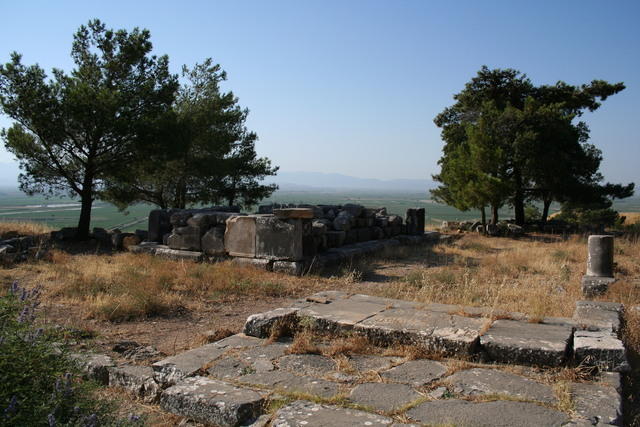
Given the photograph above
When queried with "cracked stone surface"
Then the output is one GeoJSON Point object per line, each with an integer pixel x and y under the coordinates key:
{"type": "Point", "coordinates": [286, 381]}
{"type": "Point", "coordinates": [175, 368]}
{"type": "Point", "coordinates": [383, 397]}
{"type": "Point", "coordinates": [600, 348]}
{"type": "Point", "coordinates": [307, 364]}
{"type": "Point", "coordinates": [598, 404]}
{"type": "Point", "coordinates": [499, 413]}
{"type": "Point", "coordinates": [211, 401]}
{"type": "Point", "coordinates": [341, 313]}
{"type": "Point", "coordinates": [479, 381]}
{"type": "Point", "coordinates": [416, 372]}
{"type": "Point", "coordinates": [303, 413]}
{"type": "Point", "coordinates": [364, 363]}
{"type": "Point", "coordinates": [137, 379]}
{"type": "Point", "coordinates": [596, 315]}
{"type": "Point", "coordinates": [510, 341]}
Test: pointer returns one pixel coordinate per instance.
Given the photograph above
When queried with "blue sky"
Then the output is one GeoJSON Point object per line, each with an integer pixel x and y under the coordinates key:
{"type": "Point", "coordinates": [351, 86]}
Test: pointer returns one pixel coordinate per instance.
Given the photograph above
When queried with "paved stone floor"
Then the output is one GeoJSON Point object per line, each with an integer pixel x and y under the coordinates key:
{"type": "Point", "coordinates": [361, 360]}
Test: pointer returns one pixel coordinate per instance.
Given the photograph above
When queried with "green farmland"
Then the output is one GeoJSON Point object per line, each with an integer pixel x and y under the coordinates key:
{"type": "Point", "coordinates": [64, 212]}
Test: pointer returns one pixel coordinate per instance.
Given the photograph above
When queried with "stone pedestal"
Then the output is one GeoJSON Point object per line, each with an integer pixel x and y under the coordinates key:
{"type": "Point", "coordinates": [599, 266]}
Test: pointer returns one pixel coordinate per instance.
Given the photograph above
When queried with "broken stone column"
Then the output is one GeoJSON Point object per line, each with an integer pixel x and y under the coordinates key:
{"type": "Point", "coordinates": [599, 265]}
{"type": "Point", "coordinates": [415, 221]}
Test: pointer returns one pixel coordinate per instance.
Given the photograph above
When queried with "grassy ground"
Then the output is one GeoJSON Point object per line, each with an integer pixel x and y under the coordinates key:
{"type": "Point", "coordinates": [171, 304]}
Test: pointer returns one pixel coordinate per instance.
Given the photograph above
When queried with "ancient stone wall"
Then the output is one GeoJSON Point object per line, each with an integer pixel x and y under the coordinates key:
{"type": "Point", "coordinates": [280, 237]}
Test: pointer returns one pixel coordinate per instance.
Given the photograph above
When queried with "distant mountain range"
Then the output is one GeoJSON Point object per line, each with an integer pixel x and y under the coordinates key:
{"type": "Point", "coordinates": [292, 181]}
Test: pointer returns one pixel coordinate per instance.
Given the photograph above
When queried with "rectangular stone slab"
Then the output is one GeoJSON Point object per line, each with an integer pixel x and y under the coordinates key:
{"type": "Point", "coordinates": [595, 315]}
{"type": "Point", "coordinates": [240, 236]}
{"type": "Point", "coordinates": [212, 402]}
{"type": "Point", "coordinates": [277, 239]}
{"type": "Point", "coordinates": [510, 341]}
{"type": "Point", "coordinates": [294, 213]}
{"type": "Point", "coordinates": [600, 348]}
{"type": "Point", "coordinates": [175, 368]}
{"type": "Point", "coordinates": [341, 313]}
{"type": "Point", "coordinates": [305, 413]}
{"type": "Point", "coordinates": [435, 330]}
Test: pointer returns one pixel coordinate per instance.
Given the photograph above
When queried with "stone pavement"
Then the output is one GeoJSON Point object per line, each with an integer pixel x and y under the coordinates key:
{"type": "Point", "coordinates": [461, 379]}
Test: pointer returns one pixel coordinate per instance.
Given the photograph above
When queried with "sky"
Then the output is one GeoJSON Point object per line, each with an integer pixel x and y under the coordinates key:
{"type": "Point", "coordinates": [352, 87]}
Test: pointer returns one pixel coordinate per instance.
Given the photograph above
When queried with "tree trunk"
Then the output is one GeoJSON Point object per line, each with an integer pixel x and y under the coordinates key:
{"type": "Point", "coordinates": [545, 210]}
{"type": "Point", "coordinates": [84, 222]}
{"type": "Point", "coordinates": [518, 200]}
{"type": "Point", "coordinates": [484, 217]}
{"type": "Point", "coordinates": [494, 215]}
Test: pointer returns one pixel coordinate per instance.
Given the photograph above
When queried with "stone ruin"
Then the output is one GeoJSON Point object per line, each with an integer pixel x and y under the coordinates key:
{"type": "Point", "coordinates": [474, 370]}
{"type": "Point", "coordinates": [290, 239]}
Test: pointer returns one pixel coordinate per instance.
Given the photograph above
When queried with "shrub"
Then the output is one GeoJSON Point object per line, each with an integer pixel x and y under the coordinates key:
{"type": "Point", "coordinates": [39, 385]}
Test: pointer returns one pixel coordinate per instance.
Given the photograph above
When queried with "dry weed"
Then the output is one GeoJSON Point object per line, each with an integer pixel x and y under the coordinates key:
{"type": "Point", "coordinates": [10, 229]}
{"type": "Point", "coordinates": [352, 344]}
{"type": "Point", "coordinates": [305, 342]}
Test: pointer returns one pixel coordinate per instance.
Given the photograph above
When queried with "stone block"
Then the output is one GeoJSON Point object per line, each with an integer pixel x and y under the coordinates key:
{"type": "Point", "coordinates": [597, 404]}
{"type": "Point", "coordinates": [595, 315]}
{"type": "Point", "coordinates": [261, 264]}
{"type": "Point", "coordinates": [159, 224]}
{"type": "Point", "coordinates": [185, 238]}
{"type": "Point", "coordinates": [95, 366]}
{"type": "Point", "coordinates": [179, 255]}
{"type": "Point", "coordinates": [415, 221]}
{"type": "Point", "coordinates": [498, 413]}
{"type": "Point", "coordinates": [306, 413]}
{"type": "Point", "coordinates": [417, 373]}
{"type": "Point", "coordinates": [593, 286]}
{"type": "Point", "coordinates": [383, 397]}
{"type": "Point", "coordinates": [293, 268]}
{"type": "Point", "coordinates": [212, 402]}
{"type": "Point", "coordinates": [443, 332]}
{"type": "Point", "coordinates": [212, 242]}
{"type": "Point", "coordinates": [294, 213]}
{"type": "Point", "coordinates": [117, 239]}
{"type": "Point", "coordinates": [261, 325]}
{"type": "Point", "coordinates": [240, 236]}
{"type": "Point", "coordinates": [364, 234]}
{"type": "Point", "coordinates": [277, 239]}
{"type": "Point", "coordinates": [479, 381]}
{"type": "Point", "coordinates": [510, 341]}
{"type": "Point", "coordinates": [335, 239]}
{"type": "Point", "coordinates": [340, 314]}
{"type": "Point", "coordinates": [179, 217]}
{"type": "Point", "coordinates": [342, 221]}
{"type": "Point", "coordinates": [136, 379]}
{"type": "Point", "coordinates": [130, 241]}
{"type": "Point", "coordinates": [600, 348]}
{"type": "Point", "coordinates": [351, 237]}
{"type": "Point", "coordinates": [284, 380]}
{"type": "Point", "coordinates": [353, 209]}
{"type": "Point", "coordinates": [307, 364]}
{"type": "Point", "coordinates": [173, 369]}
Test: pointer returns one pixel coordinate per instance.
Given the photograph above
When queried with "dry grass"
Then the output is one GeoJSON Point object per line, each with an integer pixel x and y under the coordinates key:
{"type": "Point", "coordinates": [132, 286]}
{"type": "Point", "coordinates": [630, 217]}
{"type": "Point", "coordinates": [22, 228]}
{"type": "Point", "coordinates": [535, 277]}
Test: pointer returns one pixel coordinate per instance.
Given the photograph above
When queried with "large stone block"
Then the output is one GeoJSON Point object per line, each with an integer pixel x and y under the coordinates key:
{"type": "Point", "coordinates": [277, 239]}
{"type": "Point", "coordinates": [159, 224]}
{"type": "Point", "coordinates": [302, 412]}
{"type": "Point", "coordinates": [509, 341]}
{"type": "Point", "coordinates": [415, 221]}
{"type": "Point", "coordinates": [600, 259]}
{"type": "Point", "coordinates": [335, 239]}
{"type": "Point", "coordinates": [185, 238]}
{"type": "Point", "coordinates": [240, 236]}
{"type": "Point", "coordinates": [212, 242]}
{"type": "Point", "coordinates": [212, 402]}
{"type": "Point", "coordinates": [137, 379]}
{"type": "Point", "coordinates": [294, 213]}
{"type": "Point", "coordinates": [600, 348]}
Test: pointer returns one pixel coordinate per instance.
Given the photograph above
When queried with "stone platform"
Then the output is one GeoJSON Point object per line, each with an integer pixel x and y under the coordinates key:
{"type": "Point", "coordinates": [428, 364]}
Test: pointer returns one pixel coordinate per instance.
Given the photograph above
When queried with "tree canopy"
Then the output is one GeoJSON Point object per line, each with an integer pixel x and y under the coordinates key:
{"type": "Point", "coordinates": [75, 132]}
{"type": "Point", "coordinates": [510, 142]}
{"type": "Point", "coordinates": [203, 153]}
{"type": "Point", "coordinates": [121, 128]}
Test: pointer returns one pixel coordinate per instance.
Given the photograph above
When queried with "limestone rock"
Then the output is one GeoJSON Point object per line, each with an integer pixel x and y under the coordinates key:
{"type": "Point", "coordinates": [212, 243]}
{"type": "Point", "coordinates": [306, 413]}
{"type": "Point", "coordinates": [277, 239]}
{"type": "Point", "coordinates": [137, 379]}
{"type": "Point", "coordinates": [240, 236]}
{"type": "Point", "coordinates": [383, 397]}
{"type": "Point", "coordinates": [212, 402]}
{"type": "Point", "coordinates": [416, 372]}
{"type": "Point", "coordinates": [600, 348]}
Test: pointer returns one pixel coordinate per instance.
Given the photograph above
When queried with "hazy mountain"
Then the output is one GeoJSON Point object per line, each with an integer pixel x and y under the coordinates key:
{"type": "Point", "coordinates": [319, 180]}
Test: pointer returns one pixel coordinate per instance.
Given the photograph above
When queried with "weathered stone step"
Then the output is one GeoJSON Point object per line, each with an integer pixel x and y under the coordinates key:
{"type": "Point", "coordinates": [212, 402]}
{"type": "Point", "coordinates": [459, 331]}
{"type": "Point", "coordinates": [304, 413]}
